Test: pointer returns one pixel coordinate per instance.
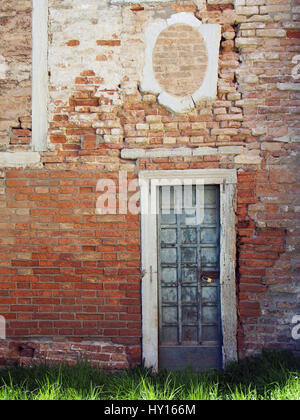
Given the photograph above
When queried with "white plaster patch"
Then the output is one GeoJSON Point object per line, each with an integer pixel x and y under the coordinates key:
{"type": "Point", "coordinates": [3, 67]}
{"type": "Point", "coordinates": [65, 63]}
{"type": "Point", "coordinates": [211, 34]}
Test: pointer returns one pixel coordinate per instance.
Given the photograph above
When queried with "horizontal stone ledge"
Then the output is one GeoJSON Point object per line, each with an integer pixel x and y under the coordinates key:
{"type": "Point", "coordinates": [134, 154]}
{"type": "Point", "coordinates": [19, 159]}
{"type": "Point", "coordinates": [248, 159]}
{"type": "Point", "coordinates": [139, 1]}
{"type": "Point", "coordinates": [231, 150]}
{"type": "Point", "coordinates": [289, 86]}
{"type": "Point", "coordinates": [216, 2]}
{"type": "Point", "coordinates": [154, 153]}
{"type": "Point", "coordinates": [205, 151]}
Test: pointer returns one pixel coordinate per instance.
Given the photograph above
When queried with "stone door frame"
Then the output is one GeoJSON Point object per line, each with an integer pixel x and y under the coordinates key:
{"type": "Point", "coordinates": [149, 181]}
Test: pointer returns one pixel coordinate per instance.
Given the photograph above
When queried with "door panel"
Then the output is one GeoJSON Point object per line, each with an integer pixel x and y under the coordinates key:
{"type": "Point", "coordinates": [189, 279]}
{"type": "Point", "coordinates": [197, 358]}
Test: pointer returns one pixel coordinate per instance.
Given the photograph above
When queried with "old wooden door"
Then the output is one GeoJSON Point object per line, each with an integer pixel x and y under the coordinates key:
{"type": "Point", "coordinates": [189, 279]}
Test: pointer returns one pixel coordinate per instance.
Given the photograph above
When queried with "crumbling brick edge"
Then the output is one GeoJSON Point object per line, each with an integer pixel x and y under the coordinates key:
{"type": "Point", "coordinates": [106, 355]}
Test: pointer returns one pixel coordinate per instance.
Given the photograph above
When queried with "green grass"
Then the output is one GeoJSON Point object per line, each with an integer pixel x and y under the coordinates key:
{"type": "Point", "coordinates": [270, 376]}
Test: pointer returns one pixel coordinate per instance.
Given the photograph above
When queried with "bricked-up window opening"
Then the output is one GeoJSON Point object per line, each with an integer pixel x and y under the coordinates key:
{"type": "Point", "coordinates": [181, 63]}
{"type": "Point", "coordinates": [179, 68]}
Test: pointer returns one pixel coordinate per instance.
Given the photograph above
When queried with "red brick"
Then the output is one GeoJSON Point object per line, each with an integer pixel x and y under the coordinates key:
{"type": "Point", "coordinates": [73, 43]}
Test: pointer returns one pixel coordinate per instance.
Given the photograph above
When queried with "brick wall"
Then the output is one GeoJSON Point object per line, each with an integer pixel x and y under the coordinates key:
{"type": "Point", "coordinates": [269, 270]}
{"type": "Point", "coordinates": [15, 75]}
{"type": "Point", "coordinates": [69, 278]}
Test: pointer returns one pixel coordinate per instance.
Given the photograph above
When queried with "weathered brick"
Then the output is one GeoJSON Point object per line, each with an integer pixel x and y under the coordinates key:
{"type": "Point", "coordinates": [70, 276]}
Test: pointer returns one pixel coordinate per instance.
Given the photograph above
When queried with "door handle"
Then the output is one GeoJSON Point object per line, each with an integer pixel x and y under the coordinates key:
{"type": "Point", "coordinates": [206, 279]}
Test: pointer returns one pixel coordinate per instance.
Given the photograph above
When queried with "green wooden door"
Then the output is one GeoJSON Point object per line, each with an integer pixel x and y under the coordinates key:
{"type": "Point", "coordinates": [189, 278]}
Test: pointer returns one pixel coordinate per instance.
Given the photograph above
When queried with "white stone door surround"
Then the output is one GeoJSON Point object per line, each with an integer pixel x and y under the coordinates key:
{"type": "Point", "coordinates": [149, 183]}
